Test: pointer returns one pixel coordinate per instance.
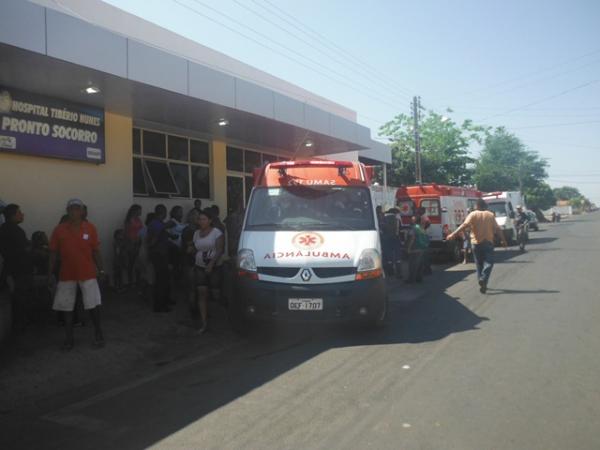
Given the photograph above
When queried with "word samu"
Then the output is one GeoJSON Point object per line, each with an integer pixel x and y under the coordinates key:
{"type": "Point", "coordinates": [301, 182]}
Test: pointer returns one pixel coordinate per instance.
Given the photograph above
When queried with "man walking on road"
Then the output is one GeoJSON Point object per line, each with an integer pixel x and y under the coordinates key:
{"type": "Point", "coordinates": [483, 228]}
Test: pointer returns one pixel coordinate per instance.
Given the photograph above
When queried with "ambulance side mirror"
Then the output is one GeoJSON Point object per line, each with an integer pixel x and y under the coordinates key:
{"type": "Point", "coordinates": [512, 215]}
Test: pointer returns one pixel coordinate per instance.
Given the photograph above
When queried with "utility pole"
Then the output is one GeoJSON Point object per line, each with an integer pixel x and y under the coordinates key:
{"type": "Point", "coordinates": [416, 106]}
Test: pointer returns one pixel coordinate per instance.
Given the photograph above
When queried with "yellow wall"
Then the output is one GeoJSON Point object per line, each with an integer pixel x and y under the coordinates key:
{"type": "Point", "coordinates": [42, 186]}
{"type": "Point", "coordinates": [218, 175]}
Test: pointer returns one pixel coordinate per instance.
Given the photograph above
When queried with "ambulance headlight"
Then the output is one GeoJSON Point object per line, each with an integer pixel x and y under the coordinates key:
{"type": "Point", "coordinates": [369, 260]}
{"type": "Point", "coordinates": [246, 260]}
{"type": "Point", "coordinates": [369, 265]}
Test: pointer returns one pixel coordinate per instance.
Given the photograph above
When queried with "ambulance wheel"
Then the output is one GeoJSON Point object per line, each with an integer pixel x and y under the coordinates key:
{"type": "Point", "coordinates": [456, 252]}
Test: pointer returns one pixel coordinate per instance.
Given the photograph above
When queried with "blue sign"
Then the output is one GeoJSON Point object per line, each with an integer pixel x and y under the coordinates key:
{"type": "Point", "coordinates": [33, 124]}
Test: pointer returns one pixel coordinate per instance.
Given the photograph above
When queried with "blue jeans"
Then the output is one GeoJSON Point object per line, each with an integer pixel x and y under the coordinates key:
{"type": "Point", "coordinates": [484, 260]}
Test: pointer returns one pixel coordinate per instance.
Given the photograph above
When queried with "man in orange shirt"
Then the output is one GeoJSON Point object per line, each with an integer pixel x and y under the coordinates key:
{"type": "Point", "coordinates": [76, 243]}
{"type": "Point", "coordinates": [483, 229]}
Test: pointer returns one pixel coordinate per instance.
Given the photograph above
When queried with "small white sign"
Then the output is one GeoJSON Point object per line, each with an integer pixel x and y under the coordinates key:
{"type": "Point", "coordinates": [94, 153]}
{"type": "Point", "coordinates": [9, 142]}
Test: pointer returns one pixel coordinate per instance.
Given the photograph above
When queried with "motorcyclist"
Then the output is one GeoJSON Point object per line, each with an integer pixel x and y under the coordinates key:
{"type": "Point", "coordinates": [521, 218]}
{"type": "Point", "coordinates": [521, 221]}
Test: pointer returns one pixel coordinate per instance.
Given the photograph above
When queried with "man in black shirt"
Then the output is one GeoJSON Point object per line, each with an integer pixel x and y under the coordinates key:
{"type": "Point", "coordinates": [14, 248]}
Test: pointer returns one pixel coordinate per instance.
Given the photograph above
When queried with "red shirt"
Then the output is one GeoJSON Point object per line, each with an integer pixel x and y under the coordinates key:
{"type": "Point", "coordinates": [132, 229]}
{"type": "Point", "coordinates": [75, 249]}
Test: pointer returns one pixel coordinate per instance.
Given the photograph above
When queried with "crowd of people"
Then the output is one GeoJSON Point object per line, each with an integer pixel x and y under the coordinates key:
{"type": "Point", "coordinates": [187, 248]}
{"type": "Point", "coordinates": [148, 255]}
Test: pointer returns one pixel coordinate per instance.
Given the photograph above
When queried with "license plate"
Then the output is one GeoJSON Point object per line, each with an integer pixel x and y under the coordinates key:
{"type": "Point", "coordinates": [305, 304]}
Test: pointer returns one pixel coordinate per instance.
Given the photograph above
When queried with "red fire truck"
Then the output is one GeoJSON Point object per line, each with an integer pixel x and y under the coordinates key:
{"type": "Point", "coordinates": [445, 206]}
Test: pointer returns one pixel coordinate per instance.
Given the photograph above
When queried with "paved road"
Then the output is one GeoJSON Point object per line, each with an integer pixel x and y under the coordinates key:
{"type": "Point", "coordinates": [518, 368]}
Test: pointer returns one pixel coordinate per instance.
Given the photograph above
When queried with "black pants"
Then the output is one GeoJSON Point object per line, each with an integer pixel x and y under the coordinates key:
{"type": "Point", "coordinates": [415, 266]}
{"type": "Point", "coordinates": [162, 281]}
{"type": "Point", "coordinates": [20, 297]}
{"type": "Point", "coordinates": [427, 262]}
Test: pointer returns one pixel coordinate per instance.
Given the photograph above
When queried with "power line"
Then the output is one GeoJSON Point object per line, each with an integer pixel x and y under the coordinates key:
{"type": "Point", "coordinates": [512, 80]}
{"type": "Point", "coordinates": [538, 80]}
{"type": "Point", "coordinates": [323, 40]}
{"type": "Point", "coordinates": [285, 55]}
{"type": "Point", "coordinates": [565, 142]}
{"type": "Point", "coordinates": [356, 69]}
{"type": "Point", "coordinates": [495, 108]}
{"type": "Point", "coordinates": [542, 100]}
{"type": "Point", "coordinates": [533, 116]}
{"type": "Point", "coordinates": [550, 125]}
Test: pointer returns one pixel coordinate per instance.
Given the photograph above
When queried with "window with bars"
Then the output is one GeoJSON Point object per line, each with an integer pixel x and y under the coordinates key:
{"type": "Point", "coordinates": [169, 165]}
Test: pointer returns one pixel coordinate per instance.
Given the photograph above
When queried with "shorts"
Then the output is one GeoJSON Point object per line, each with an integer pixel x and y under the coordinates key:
{"type": "Point", "coordinates": [211, 280]}
{"type": "Point", "coordinates": [66, 292]}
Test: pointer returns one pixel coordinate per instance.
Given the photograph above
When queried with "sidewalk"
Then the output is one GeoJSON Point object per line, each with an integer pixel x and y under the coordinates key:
{"type": "Point", "coordinates": [32, 367]}
{"type": "Point", "coordinates": [139, 343]}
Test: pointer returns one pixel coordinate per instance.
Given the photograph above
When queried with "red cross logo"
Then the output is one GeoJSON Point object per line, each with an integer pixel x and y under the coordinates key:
{"type": "Point", "coordinates": [308, 241]}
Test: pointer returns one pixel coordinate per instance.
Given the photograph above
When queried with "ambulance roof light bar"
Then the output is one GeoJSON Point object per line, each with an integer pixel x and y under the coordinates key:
{"type": "Point", "coordinates": [287, 164]}
{"type": "Point", "coordinates": [283, 165]}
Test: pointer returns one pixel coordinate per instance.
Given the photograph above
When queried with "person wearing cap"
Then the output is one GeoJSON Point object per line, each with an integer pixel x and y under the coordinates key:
{"type": "Point", "coordinates": [76, 243]}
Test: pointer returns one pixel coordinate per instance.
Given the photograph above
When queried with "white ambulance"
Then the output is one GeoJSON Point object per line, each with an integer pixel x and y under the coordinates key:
{"type": "Point", "coordinates": [504, 206]}
{"type": "Point", "coordinates": [309, 248]}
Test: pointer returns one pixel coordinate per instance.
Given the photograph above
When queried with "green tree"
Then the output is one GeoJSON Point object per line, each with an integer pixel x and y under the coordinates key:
{"type": "Point", "coordinates": [577, 202]}
{"type": "Point", "coordinates": [539, 197]}
{"type": "Point", "coordinates": [505, 164]}
{"type": "Point", "coordinates": [445, 144]}
{"type": "Point", "coordinates": [566, 193]}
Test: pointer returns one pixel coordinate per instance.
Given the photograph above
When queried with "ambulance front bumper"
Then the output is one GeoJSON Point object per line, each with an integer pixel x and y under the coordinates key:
{"type": "Point", "coordinates": [353, 300]}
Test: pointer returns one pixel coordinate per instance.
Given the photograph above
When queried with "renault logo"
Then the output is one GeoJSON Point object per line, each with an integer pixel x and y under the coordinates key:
{"type": "Point", "coordinates": [305, 275]}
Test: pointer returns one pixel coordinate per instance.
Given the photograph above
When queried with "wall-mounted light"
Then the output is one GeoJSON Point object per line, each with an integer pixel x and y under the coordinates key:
{"type": "Point", "coordinates": [91, 90]}
{"type": "Point", "coordinates": [223, 122]}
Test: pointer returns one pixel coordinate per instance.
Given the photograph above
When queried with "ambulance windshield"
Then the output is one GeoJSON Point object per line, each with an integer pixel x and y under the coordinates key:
{"type": "Point", "coordinates": [314, 208]}
{"type": "Point", "coordinates": [499, 209]}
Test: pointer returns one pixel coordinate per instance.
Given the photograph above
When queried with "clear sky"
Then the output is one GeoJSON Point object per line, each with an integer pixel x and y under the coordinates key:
{"type": "Point", "coordinates": [530, 65]}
